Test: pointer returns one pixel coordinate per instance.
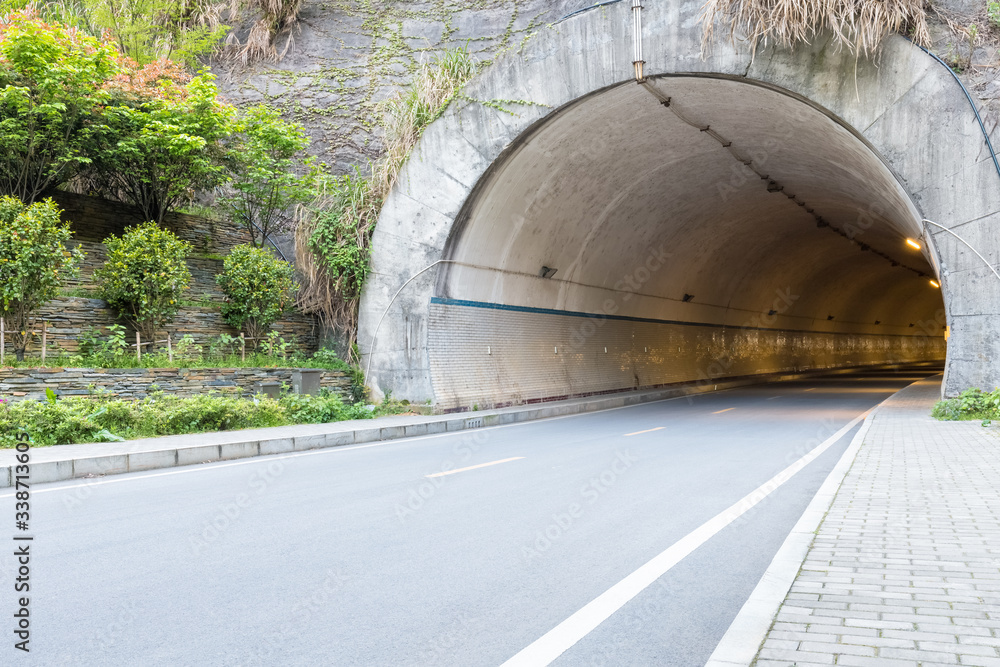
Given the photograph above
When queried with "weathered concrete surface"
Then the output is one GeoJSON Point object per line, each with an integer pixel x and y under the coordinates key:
{"type": "Point", "coordinates": [595, 175]}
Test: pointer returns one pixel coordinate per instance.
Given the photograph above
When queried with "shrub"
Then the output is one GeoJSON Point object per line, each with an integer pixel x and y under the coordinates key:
{"type": "Point", "coordinates": [51, 81]}
{"type": "Point", "coordinates": [258, 288]}
{"type": "Point", "coordinates": [144, 276]}
{"type": "Point", "coordinates": [971, 404]}
{"type": "Point", "coordinates": [265, 187]}
{"type": "Point", "coordinates": [34, 262]}
{"type": "Point", "coordinates": [159, 149]}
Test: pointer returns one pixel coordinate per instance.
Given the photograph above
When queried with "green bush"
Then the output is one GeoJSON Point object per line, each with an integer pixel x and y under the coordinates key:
{"type": "Point", "coordinates": [34, 263]}
{"type": "Point", "coordinates": [258, 288]}
{"type": "Point", "coordinates": [269, 176]}
{"type": "Point", "coordinates": [102, 418]}
{"type": "Point", "coordinates": [51, 92]}
{"type": "Point", "coordinates": [970, 404]}
{"type": "Point", "coordinates": [144, 276]}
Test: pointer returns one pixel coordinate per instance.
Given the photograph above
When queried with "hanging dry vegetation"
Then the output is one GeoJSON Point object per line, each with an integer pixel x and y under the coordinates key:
{"type": "Point", "coordinates": [333, 235]}
{"type": "Point", "coordinates": [861, 25]}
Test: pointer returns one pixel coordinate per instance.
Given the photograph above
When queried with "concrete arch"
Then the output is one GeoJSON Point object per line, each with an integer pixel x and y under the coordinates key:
{"type": "Point", "coordinates": [608, 181]}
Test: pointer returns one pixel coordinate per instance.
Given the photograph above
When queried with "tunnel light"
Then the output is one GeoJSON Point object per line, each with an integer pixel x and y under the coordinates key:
{"type": "Point", "coordinates": [935, 283]}
{"type": "Point", "coordinates": [913, 244]}
{"type": "Point", "coordinates": [547, 272]}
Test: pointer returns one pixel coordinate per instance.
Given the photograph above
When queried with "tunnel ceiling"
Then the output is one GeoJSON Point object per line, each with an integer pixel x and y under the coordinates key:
{"type": "Point", "coordinates": [612, 182]}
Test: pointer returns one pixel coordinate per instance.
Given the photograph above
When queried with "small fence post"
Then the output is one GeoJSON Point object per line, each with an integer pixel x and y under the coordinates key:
{"type": "Point", "coordinates": [270, 347]}
{"type": "Point", "coordinates": [243, 347]}
{"type": "Point", "coordinates": [2, 338]}
{"type": "Point", "coordinates": [170, 350]}
{"type": "Point", "coordinates": [138, 347]}
{"type": "Point", "coordinates": [45, 340]}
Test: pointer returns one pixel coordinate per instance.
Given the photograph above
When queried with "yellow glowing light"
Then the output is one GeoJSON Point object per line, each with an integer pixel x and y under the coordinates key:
{"type": "Point", "coordinates": [913, 244]}
{"type": "Point", "coordinates": [935, 283]}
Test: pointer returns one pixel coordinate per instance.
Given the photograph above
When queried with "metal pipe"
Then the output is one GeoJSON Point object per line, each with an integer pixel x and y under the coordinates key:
{"type": "Point", "coordinates": [967, 244]}
{"type": "Point", "coordinates": [637, 62]}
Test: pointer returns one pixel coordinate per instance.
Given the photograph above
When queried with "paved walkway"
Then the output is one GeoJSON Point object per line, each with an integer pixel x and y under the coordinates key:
{"type": "Point", "coordinates": [905, 568]}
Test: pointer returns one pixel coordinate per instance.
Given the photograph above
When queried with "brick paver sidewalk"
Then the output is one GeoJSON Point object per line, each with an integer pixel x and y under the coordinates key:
{"type": "Point", "coordinates": [905, 568]}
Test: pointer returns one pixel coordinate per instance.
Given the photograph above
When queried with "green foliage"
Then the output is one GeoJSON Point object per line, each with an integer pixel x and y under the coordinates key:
{"type": "Point", "coordinates": [971, 404]}
{"type": "Point", "coordinates": [269, 178]}
{"type": "Point", "coordinates": [159, 151]}
{"type": "Point", "coordinates": [258, 286]}
{"type": "Point", "coordinates": [341, 235]}
{"type": "Point", "coordinates": [144, 276]}
{"type": "Point", "coordinates": [102, 418]}
{"type": "Point", "coordinates": [51, 90]}
{"type": "Point", "coordinates": [993, 13]}
{"type": "Point", "coordinates": [34, 262]}
{"type": "Point", "coordinates": [146, 30]}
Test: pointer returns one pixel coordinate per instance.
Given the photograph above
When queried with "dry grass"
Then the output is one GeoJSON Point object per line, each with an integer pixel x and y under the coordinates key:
{"type": "Point", "coordinates": [277, 17]}
{"type": "Point", "coordinates": [861, 25]}
{"type": "Point", "coordinates": [351, 204]}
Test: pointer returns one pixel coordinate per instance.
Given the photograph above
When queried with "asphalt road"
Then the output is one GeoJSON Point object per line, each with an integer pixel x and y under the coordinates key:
{"type": "Point", "coordinates": [354, 556]}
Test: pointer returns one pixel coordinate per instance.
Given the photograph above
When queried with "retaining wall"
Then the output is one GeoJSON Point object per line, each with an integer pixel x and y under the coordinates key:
{"type": "Point", "coordinates": [31, 383]}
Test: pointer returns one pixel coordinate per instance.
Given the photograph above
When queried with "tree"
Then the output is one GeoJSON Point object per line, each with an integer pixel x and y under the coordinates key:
{"type": "Point", "coordinates": [144, 276]}
{"type": "Point", "coordinates": [160, 150]}
{"type": "Point", "coordinates": [51, 91]}
{"type": "Point", "coordinates": [34, 263]}
{"type": "Point", "coordinates": [268, 181]}
{"type": "Point", "coordinates": [258, 288]}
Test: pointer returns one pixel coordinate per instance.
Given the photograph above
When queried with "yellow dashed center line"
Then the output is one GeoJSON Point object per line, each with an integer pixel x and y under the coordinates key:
{"type": "Point", "coordinates": [721, 411]}
{"type": "Point", "coordinates": [658, 428]}
{"type": "Point", "coordinates": [481, 465]}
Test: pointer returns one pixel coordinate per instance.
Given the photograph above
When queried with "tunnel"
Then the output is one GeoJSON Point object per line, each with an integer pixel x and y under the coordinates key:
{"type": "Point", "coordinates": [732, 216]}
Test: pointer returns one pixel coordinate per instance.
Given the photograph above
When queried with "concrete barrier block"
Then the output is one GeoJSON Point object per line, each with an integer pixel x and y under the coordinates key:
{"type": "Point", "coordinates": [276, 446]}
{"type": "Point", "coordinates": [191, 455]}
{"type": "Point", "coordinates": [303, 442]}
{"type": "Point", "coordinates": [390, 432]}
{"type": "Point", "coordinates": [415, 429]}
{"type": "Point", "coordinates": [367, 435]}
{"type": "Point", "coordinates": [49, 471]}
{"type": "Point", "coordinates": [152, 460]}
{"type": "Point", "coordinates": [100, 465]}
{"type": "Point", "coordinates": [340, 439]}
{"type": "Point", "coordinates": [238, 450]}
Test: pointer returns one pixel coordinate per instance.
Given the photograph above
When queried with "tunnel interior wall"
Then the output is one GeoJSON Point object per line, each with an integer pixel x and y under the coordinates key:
{"type": "Point", "coordinates": [487, 355]}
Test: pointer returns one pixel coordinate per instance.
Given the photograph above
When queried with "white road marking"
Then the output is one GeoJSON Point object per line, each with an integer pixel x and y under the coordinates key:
{"type": "Point", "coordinates": [558, 640]}
{"type": "Point", "coordinates": [481, 465]}
{"type": "Point", "coordinates": [773, 397]}
{"type": "Point", "coordinates": [649, 430]}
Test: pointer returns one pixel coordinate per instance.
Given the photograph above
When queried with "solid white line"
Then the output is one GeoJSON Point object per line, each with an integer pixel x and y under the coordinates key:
{"type": "Point", "coordinates": [658, 428]}
{"type": "Point", "coordinates": [481, 465]}
{"type": "Point", "coordinates": [559, 639]}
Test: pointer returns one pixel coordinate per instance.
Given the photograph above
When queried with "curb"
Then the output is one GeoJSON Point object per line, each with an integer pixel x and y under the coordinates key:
{"type": "Point", "coordinates": [742, 641]}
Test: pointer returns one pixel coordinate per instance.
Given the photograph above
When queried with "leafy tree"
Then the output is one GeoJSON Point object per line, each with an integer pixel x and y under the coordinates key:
{"type": "Point", "coordinates": [144, 276]}
{"type": "Point", "coordinates": [51, 80]}
{"type": "Point", "coordinates": [258, 288]}
{"type": "Point", "coordinates": [267, 178]}
{"type": "Point", "coordinates": [34, 262]}
{"type": "Point", "coordinates": [160, 150]}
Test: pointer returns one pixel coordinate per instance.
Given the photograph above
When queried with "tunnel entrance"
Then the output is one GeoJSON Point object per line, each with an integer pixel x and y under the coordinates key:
{"type": "Point", "coordinates": [736, 215]}
{"type": "Point", "coordinates": [685, 230]}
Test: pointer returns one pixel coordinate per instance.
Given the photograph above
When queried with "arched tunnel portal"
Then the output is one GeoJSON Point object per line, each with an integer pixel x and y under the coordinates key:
{"type": "Point", "coordinates": [730, 217]}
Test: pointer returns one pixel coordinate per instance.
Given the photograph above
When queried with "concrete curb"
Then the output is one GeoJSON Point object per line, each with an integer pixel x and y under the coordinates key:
{"type": "Point", "coordinates": [251, 443]}
{"type": "Point", "coordinates": [743, 639]}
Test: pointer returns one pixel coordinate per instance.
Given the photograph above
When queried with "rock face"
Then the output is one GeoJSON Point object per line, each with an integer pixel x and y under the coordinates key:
{"type": "Point", "coordinates": [348, 55]}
